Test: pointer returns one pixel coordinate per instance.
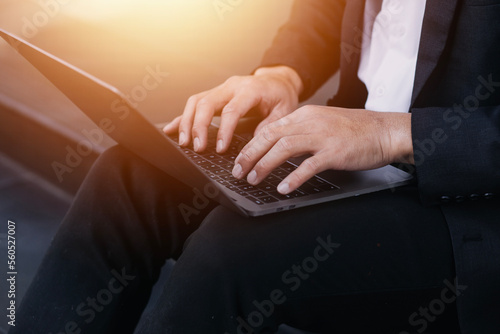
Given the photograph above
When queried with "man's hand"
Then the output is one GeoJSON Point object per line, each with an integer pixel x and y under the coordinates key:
{"type": "Point", "coordinates": [272, 92]}
{"type": "Point", "coordinates": [340, 139]}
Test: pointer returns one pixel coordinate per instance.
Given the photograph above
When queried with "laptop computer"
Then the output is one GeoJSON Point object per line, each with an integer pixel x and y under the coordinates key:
{"type": "Point", "coordinates": [208, 172]}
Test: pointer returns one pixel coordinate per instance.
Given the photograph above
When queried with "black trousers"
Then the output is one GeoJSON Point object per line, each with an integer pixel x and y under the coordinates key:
{"type": "Point", "coordinates": [377, 263]}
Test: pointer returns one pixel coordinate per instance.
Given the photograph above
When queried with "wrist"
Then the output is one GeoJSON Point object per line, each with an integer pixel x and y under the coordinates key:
{"type": "Point", "coordinates": [398, 128]}
{"type": "Point", "coordinates": [286, 73]}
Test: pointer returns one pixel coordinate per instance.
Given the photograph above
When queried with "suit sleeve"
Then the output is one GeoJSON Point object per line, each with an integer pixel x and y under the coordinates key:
{"type": "Point", "coordinates": [309, 42]}
{"type": "Point", "coordinates": [457, 153]}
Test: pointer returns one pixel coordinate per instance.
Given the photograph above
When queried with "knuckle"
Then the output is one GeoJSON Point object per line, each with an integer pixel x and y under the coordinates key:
{"type": "Point", "coordinates": [312, 164]}
{"type": "Point", "coordinates": [304, 111]}
{"type": "Point", "coordinates": [192, 99]}
{"type": "Point", "coordinates": [269, 133]}
{"type": "Point", "coordinates": [184, 123]}
{"type": "Point", "coordinates": [197, 129]}
{"type": "Point", "coordinates": [227, 110]}
{"type": "Point", "coordinates": [263, 165]}
{"type": "Point", "coordinates": [282, 120]}
{"type": "Point", "coordinates": [203, 102]}
{"type": "Point", "coordinates": [235, 79]}
{"type": "Point", "coordinates": [245, 155]}
{"type": "Point", "coordinates": [285, 144]}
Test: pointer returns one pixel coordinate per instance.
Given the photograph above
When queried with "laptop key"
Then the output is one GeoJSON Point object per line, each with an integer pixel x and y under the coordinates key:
{"type": "Point", "coordinates": [219, 161]}
{"type": "Point", "coordinates": [230, 157]}
{"type": "Point", "coordinates": [201, 162]}
{"type": "Point", "coordinates": [246, 187]}
{"type": "Point", "coordinates": [194, 156]}
{"type": "Point", "coordinates": [205, 164]}
{"type": "Point", "coordinates": [255, 200]}
{"type": "Point", "coordinates": [265, 186]}
{"type": "Point", "coordinates": [297, 193]}
{"type": "Point", "coordinates": [237, 142]}
{"type": "Point", "coordinates": [280, 173]}
{"type": "Point", "coordinates": [309, 188]}
{"type": "Point", "coordinates": [234, 149]}
{"type": "Point", "coordinates": [230, 186]}
{"type": "Point", "coordinates": [210, 156]}
{"type": "Point", "coordinates": [212, 167]}
{"type": "Point", "coordinates": [228, 166]}
{"type": "Point", "coordinates": [288, 167]}
{"type": "Point", "coordinates": [238, 182]}
{"type": "Point", "coordinates": [273, 180]}
{"type": "Point", "coordinates": [227, 177]}
{"type": "Point", "coordinates": [329, 187]}
{"type": "Point", "coordinates": [316, 181]}
{"type": "Point", "coordinates": [259, 193]}
{"type": "Point", "coordinates": [268, 199]}
{"type": "Point", "coordinates": [280, 196]}
{"type": "Point", "coordinates": [189, 152]}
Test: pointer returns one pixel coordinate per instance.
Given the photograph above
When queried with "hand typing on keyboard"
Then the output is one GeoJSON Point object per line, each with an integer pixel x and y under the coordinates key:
{"type": "Point", "coordinates": [341, 139]}
{"type": "Point", "coordinates": [219, 166]}
{"type": "Point", "coordinates": [271, 93]}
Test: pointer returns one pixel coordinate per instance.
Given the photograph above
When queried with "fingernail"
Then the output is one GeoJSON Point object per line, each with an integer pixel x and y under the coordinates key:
{"type": "Point", "coordinates": [237, 171]}
{"type": "Point", "coordinates": [182, 138]}
{"type": "Point", "coordinates": [196, 144]}
{"type": "Point", "coordinates": [284, 188]}
{"type": "Point", "coordinates": [220, 145]}
{"type": "Point", "coordinates": [252, 177]}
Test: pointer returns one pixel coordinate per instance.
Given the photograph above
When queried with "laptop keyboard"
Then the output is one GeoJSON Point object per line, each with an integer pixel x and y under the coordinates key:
{"type": "Point", "coordinates": [219, 167]}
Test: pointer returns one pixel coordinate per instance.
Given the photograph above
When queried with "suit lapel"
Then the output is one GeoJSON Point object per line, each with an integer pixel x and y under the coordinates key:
{"type": "Point", "coordinates": [438, 19]}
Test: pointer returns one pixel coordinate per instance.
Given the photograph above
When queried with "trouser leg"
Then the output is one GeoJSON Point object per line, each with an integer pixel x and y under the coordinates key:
{"type": "Point", "coordinates": [99, 270]}
{"type": "Point", "coordinates": [360, 265]}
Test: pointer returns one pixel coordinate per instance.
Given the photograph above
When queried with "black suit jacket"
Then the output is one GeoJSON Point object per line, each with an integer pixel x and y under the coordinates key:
{"type": "Point", "coordinates": [455, 111]}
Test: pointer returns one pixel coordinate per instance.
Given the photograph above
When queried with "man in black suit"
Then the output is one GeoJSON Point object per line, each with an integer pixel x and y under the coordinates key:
{"type": "Point", "coordinates": [393, 261]}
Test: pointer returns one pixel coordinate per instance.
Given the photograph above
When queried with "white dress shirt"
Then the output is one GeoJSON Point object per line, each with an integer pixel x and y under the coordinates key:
{"type": "Point", "coordinates": [389, 52]}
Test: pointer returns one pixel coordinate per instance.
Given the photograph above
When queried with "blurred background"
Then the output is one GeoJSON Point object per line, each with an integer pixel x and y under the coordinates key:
{"type": "Point", "coordinates": [199, 43]}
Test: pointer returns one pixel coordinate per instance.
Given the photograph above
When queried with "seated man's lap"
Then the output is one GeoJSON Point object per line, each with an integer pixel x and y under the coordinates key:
{"type": "Point", "coordinates": [379, 256]}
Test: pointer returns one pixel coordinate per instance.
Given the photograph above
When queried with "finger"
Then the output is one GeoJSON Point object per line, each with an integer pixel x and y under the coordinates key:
{"type": "Point", "coordinates": [231, 114]}
{"type": "Point", "coordinates": [276, 114]}
{"type": "Point", "coordinates": [205, 110]}
{"type": "Point", "coordinates": [284, 148]}
{"type": "Point", "coordinates": [307, 169]}
{"type": "Point", "coordinates": [186, 123]}
{"type": "Point", "coordinates": [173, 126]}
{"type": "Point", "coordinates": [261, 144]}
